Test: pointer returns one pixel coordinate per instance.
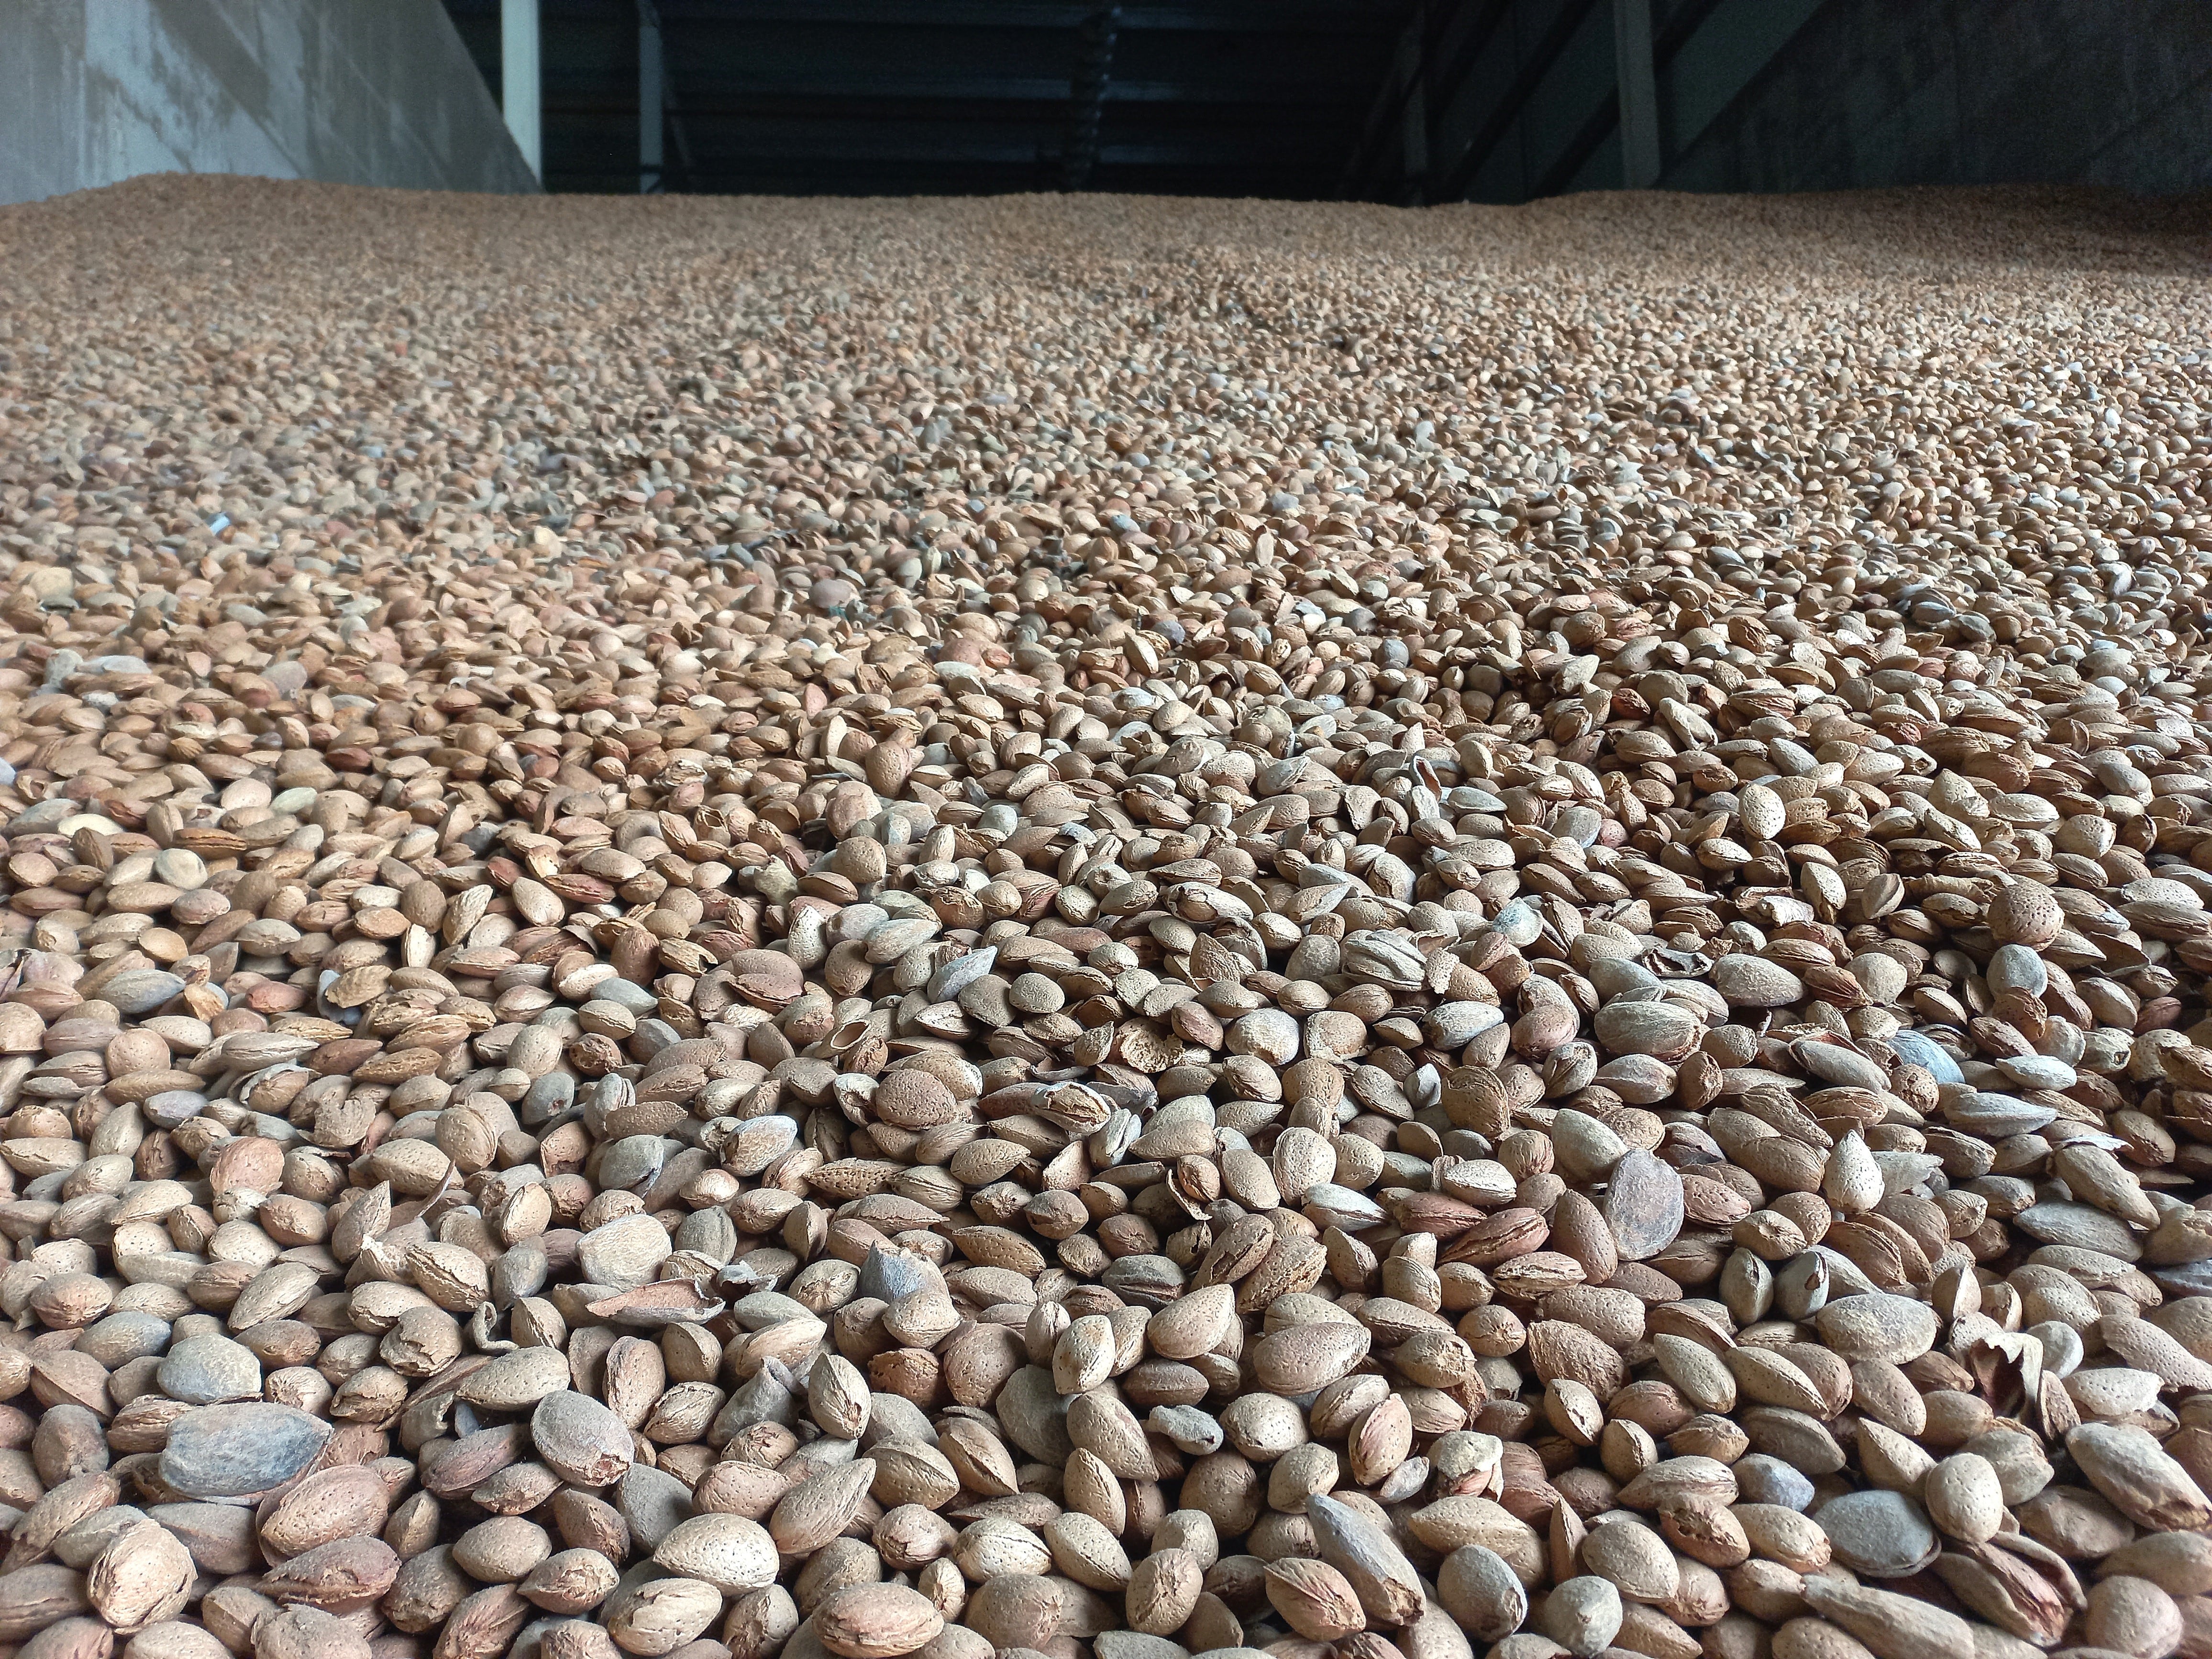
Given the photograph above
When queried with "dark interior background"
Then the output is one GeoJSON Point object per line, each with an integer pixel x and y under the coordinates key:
{"type": "Point", "coordinates": [1394, 100]}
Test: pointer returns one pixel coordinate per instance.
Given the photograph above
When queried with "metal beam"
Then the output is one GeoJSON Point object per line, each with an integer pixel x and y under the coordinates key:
{"type": "Point", "coordinates": [1243, 17]}
{"type": "Point", "coordinates": [953, 145]}
{"type": "Point", "coordinates": [1413, 122]}
{"type": "Point", "coordinates": [1708, 54]}
{"type": "Point", "coordinates": [1298, 184]}
{"type": "Point", "coordinates": [1027, 89]}
{"type": "Point", "coordinates": [1290, 184]}
{"type": "Point", "coordinates": [677, 129]}
{"type": "Point", "coordinates": [1440, 81]}
{"type": "Point", "coordinates": [1385, 130]}
{"type": "Point", "coordinates": [1639, 94]}
{"type": "Point", "coordinates": [1086, 95]}
{"type": "Point", "coordinates": [1687, 19]}
{"type": "Point", "coordinates": [1507, 110]}
{"type": "Point", "coordinates": [652, 108]}
{"type": "Point", "coordinates": [519, 97]}
{"type": "Point", "coordinates": [1561, 175]}
{"type": "Point", "coordinates": [1733, 46]}
{"type": "Point", "coordinates": [1018, 167]}
{"type": "Point", "coordinates": [1390, 101]}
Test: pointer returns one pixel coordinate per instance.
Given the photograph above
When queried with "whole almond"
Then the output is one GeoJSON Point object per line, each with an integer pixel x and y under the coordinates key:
{"type": "Point", "coordinates": [1084, 1549]}
{"type": "Point", "coordinates": [1892, 1626]}
{"type": "Point", "coordinates": [2129, 1466]}
{"type": "Point", "coordinates": [1085, 1355]}
{"type": "Point", "coordinates": [1702, 1376]}
{"type": "Point", "coordinates": [979, 1457]}
{"type": "Point", "coordinates": [1192, 1323]}
{"type": "Point", "coordinates": [516, 1382]}
{"type": "Point", "coordinates": [580, 1438]}
{"type": "Point", "coordinates": [90, 1638]}
{"type": "Point", "coordinates": [1305, 1358]}
{"type": "Point", "coordinates": [1291, 1265]}
{"type": "Point", "coordinates": [1450, 1524]}
{"type": "Point", "coordinates": [57, 1511]}
{"type": "Point", "coordinates": [1964, 1497]}
{"type": "Point", "coordinates": [1482, 1592]}
{"type": "Point", "coordinates": [345, 1502]}
{"type": "Point", "coordinates": [912, 1472]}
{"type": "Point", "coordinates": [2024, 912]}
{"type": "Point", "coordinates": [483, 1623]}
{"type": "Point", "coordinates": [1163, 1589]}
{"type": "Point", "coordinates": [997, 1546]}
{"type": "Point", "coordinates": [1101, 1423]}
{"type": "Point", "coordinates": [143, 1575]}
{"type": "Point", "coordinates": [429, 1586]}
{"type": "Point", "coordinates": [1583, 1615]}
{"type": "Point", "coordinates": [343, 1576]}
{"type": "Point", "coordinates": [1634, 1559]}
{"type": "Point", "coordinates": [569, 1581]}
{"type": "Point", "coordinates": [1363, 1552]}
{"type": "Point", "coordinates": [876, 1621]}
{"type": "Point", "coordinates": [819, 1509]}
{"type": "Point", "coordinates": [501, 1550]}
{"type": "Point", "coordinates": [1315, 1598]}
{"type": "Point", "coordinates": [838, 1397]}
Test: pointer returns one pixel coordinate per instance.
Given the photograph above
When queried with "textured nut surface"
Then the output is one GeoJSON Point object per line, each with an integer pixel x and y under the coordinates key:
{"type": "Point", "coordinates": [1125, 929]}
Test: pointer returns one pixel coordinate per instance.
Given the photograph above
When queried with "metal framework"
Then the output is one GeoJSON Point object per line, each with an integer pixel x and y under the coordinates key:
{"type": "Point", "coordinates": [652, 99]}
{"type": "Point", "coordinates": [519, 83]}
{"type": "Point", "coordinates": [1568, 17]}
{"type": "Point", "coordinates": [1674, 66]}
{"type": "Point", "coordinates": [1639, 94]}
{"type": "Point", "coordinates": [1396, 101]}
{"type": "Point", "coordinates": [1086, 96]}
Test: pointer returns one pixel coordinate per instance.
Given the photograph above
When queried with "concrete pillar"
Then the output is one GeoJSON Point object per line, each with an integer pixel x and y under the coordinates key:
{"type": "Point", "coordinates": [1639, 94]}
{"type": "Point", "coordinates": [651, 103]}
{"type": "Point", "coordinates": [520, 93]}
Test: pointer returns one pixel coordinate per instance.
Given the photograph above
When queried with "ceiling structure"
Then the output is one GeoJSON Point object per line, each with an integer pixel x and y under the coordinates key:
{"type": "Point", "coordinates": [1391, 101]}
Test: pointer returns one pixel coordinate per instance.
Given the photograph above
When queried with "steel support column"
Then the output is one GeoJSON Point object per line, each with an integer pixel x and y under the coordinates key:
{"type": "Point", "coordinates": [1413, 122]}
{"type": "Point", "coordinates": [1506, 109]}
{"type": "Point", "coordinates": [651, 100]}
{"type": "Point", "coordinates": [520, 96]}
{"type": "Point", "coordinates": [1639, 94]}
{"type": "Point", "coordinates": [1086, 96]}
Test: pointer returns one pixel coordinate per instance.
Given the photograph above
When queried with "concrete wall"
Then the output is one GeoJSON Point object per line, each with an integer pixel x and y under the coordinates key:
{"type": "Point", "coordinates": [1969, 92]}
{"type": "Point", "coordinates": [363, 92]}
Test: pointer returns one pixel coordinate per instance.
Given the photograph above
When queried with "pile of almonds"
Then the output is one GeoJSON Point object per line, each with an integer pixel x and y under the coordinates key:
{"type": "Point", "coordinates": [1103, 928]}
